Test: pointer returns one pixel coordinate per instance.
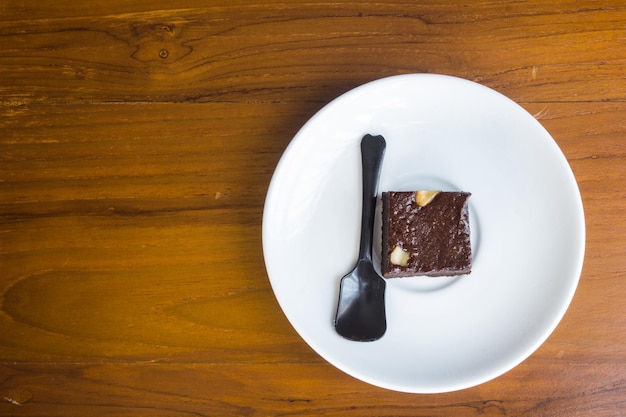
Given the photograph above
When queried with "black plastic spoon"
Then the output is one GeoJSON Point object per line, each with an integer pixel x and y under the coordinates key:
{"type": "Point", "coordinates": [361, 307]}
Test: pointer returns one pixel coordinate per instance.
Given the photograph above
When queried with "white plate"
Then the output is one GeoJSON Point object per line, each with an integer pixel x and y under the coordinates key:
{"type": "Point", "coordinates": [526, 219]}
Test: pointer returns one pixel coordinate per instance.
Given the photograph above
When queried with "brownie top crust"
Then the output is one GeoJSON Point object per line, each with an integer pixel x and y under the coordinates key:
{"type": "Point", "coordinates": [435, 237]}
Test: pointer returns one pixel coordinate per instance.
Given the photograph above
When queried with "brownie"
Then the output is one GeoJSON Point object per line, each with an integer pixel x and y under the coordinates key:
{"type": "Point", "coordinates": [431, 239]}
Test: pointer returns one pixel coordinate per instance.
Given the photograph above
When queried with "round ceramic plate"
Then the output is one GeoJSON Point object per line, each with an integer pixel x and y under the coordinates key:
{"type": "Point", "coordinates": [526, 220]}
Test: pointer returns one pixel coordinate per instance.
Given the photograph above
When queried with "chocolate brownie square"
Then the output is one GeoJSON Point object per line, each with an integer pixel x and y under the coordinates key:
{"type": "Point", "coordinates": [425, 233]}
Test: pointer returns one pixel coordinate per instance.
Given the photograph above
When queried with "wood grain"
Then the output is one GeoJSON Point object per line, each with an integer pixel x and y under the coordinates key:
{"type": "Point", "coordinates": [138, 141]}
{"type": "Point", "coordinates": [301, 51]}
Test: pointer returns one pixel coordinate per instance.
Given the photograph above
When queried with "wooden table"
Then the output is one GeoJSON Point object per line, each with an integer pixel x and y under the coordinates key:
{"type": "Point", "coordinates": [138, 139]}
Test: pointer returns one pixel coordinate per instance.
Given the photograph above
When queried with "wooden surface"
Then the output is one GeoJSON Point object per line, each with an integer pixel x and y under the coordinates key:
{"type": "Point", "coordinates": [137, 142]}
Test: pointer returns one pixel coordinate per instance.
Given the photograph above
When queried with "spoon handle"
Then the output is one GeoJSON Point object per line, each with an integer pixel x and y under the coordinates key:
{"type": "Point", "coordinates": [372, 152]}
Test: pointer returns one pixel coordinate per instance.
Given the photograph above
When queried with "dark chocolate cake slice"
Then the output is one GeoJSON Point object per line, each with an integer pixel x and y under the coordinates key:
{"type": "Point", "coordinates": [425, 233]}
